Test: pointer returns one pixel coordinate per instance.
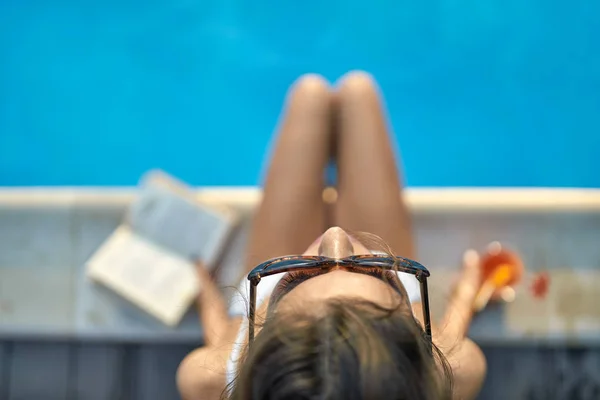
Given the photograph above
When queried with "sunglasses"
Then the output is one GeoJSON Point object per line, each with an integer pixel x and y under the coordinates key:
{"type": "Point", "coordinates": [307, 263]}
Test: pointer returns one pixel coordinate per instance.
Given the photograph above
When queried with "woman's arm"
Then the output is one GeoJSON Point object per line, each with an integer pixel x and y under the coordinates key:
{"type": "Point", "coordinates": [464, 356]}
{"type": "Point", "coordinates": [201, 374]}
{"type": "Point", "coordinates": [218, 328]}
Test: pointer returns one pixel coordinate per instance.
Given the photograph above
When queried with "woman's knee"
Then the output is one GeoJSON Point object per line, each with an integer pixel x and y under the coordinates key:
{"type": "Point", "coordinates": [311, 89]}
{"type": "Point", "coordinates": [357, 84]}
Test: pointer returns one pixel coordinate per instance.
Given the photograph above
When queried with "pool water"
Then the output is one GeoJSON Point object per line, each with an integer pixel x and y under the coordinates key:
{"type": "Point", "coordinates": [493, 93]}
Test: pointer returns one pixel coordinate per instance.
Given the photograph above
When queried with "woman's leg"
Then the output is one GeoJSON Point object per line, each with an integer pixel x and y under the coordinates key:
{"type": "Point", "coordinates": [369, 187]}
{"type": "Point", "coordinates": [292, 213]}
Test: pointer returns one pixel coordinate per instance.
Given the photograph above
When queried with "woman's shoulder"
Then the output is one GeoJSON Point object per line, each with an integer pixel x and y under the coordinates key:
{"type": "Point", "coordinates": [203, 372]}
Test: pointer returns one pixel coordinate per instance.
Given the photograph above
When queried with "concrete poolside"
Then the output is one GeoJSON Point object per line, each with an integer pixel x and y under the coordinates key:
{"type": "Point", "coordinates": [76, 337]}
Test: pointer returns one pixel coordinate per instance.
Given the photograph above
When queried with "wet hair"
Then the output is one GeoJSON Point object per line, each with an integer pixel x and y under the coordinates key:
{"type": "Point", "coordinates": [351, 349]}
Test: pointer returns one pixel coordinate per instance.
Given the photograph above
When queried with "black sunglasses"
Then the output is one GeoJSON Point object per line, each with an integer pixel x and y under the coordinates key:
{"type": "Point", "coordinates": [299, 263]}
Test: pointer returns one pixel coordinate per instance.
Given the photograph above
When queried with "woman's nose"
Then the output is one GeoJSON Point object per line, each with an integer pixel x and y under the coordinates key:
{"type": "Point", "coordinates": [336, 243]}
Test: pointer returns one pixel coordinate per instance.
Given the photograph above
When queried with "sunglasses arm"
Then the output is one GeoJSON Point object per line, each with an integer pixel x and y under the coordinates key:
{"type": "Point", "coordinates": [252, 308]}
{"type": "Point", "coordinates": [425, 302]}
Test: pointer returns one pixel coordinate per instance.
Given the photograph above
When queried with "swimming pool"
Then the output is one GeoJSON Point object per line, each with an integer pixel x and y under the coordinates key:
{"type": "Point", "coordinates": [494, 93]}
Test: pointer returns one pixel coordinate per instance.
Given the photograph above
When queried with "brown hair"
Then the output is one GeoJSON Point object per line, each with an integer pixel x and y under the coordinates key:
{"type": "Point", "coordinates": [352, 350]}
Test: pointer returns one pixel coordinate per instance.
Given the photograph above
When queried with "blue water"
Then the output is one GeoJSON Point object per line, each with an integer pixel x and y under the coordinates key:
{"type": "Point", "coordinates": [480, 93]}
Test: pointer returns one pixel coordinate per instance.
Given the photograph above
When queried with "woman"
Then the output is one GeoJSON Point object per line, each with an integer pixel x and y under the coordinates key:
{"type": "Point", "coordinates": [337, 334]}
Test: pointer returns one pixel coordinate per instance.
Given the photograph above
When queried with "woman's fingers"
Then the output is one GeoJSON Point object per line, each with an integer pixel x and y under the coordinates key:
{"type": "Point", "coordinates": [212, 309]}
{"type": "Point", "coordinates": [470, 278]}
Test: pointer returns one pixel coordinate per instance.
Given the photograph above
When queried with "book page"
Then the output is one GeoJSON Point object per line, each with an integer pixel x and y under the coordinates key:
{"type": "Point", "coordinates": [169, 218]}
{"type": "Point", "coordinates": [157, 280]}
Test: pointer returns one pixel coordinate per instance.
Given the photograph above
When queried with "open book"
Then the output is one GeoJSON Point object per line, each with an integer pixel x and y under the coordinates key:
{"type": "Point", "coordinates": [150, 259]}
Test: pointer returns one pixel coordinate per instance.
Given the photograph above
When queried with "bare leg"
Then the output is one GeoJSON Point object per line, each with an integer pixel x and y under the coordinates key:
{"type": "Point", "coordinates": [369, 187]}
{"type": "Point", "coordinates": [292, 213]}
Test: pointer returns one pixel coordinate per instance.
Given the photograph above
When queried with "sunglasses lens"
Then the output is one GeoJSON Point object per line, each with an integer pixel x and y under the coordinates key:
{"type": "Point", "coordinates": [290, 263]}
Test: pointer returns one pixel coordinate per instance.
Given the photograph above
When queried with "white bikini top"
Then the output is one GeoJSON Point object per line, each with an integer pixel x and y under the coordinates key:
{"type": "Point", "coordinates": [238, 307]}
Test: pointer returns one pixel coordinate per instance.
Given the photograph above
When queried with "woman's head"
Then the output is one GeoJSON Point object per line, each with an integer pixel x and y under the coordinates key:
{"type": "Point", "coordinates": [341, 334]}
{"type": "Point", "coordinates": [350, 349]}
